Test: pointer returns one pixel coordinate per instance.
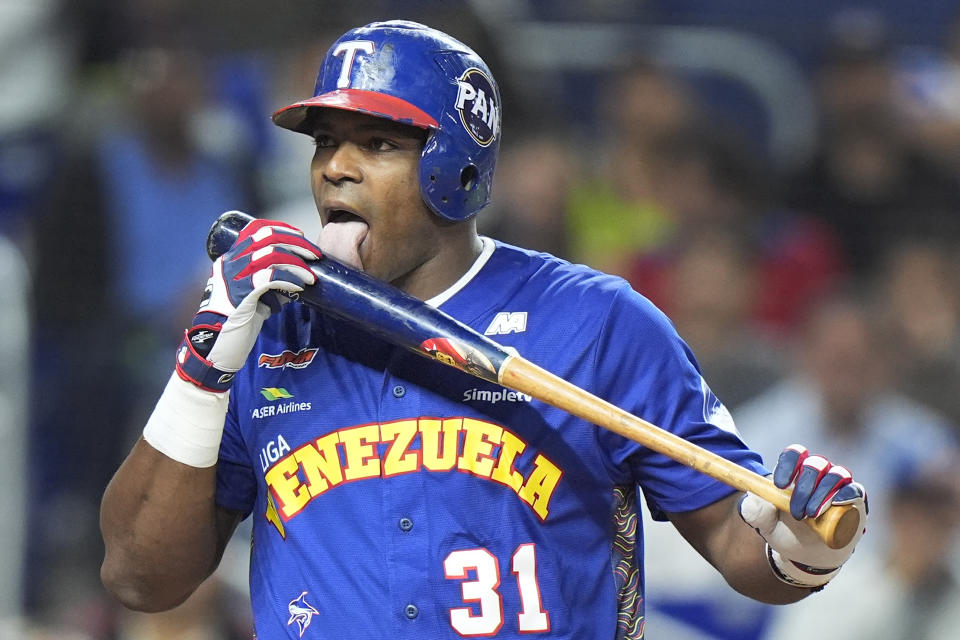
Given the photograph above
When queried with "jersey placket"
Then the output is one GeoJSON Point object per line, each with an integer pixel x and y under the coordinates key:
{"type": "Point", "coordinates": [404, 514]}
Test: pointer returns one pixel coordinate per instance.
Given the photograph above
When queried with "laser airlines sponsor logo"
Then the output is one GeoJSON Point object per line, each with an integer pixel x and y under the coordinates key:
{"type": "Point", "coordinates": [493, 396]}
{"type": "Point", "coordinates": [299, 360]}
{"type": "Point", "coordinates": [477, 447]}
{"type": "Point", "coordinates": [274, 394]}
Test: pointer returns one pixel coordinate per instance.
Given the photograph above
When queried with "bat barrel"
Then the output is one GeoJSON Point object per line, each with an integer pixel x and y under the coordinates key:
{"type": "Point", "coordinates": [397, 317]}
{"type": "Point", "coordinates": [401, 319]}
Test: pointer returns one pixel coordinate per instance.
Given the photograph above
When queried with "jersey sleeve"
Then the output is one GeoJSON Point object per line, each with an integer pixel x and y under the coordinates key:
{"type": "Point", "coordinates": [236, 480]}
{"type": "Point", "coordinates": [644, 367]}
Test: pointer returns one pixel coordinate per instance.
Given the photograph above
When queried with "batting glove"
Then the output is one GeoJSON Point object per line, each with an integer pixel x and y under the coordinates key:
{"type": "Point", "coordinates": [267, 257]}
{"type": "Point", "coordinates": [796, 554]}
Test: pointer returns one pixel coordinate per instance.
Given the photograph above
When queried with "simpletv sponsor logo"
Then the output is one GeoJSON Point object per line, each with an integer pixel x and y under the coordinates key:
{"type": "Point", "coordinates": [495, 396]}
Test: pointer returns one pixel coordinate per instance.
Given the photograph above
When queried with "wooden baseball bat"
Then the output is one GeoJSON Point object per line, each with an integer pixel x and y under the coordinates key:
{"type": "Point", "coordinates": [401, 319]}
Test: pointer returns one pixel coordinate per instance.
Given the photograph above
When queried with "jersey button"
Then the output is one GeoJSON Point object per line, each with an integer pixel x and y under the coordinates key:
{"type": "Point", "coordinates": [399, 391]}
{"type": "Point", "coordinates": [411, 611]}
{"type": "Point", "coordinates": [406, 524]}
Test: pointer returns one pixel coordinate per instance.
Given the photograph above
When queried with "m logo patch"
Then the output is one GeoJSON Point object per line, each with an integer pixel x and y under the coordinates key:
{"type": "Point", "coordinates": [507, 322]}
{"type": "Point", "coordinates": [477, 102]}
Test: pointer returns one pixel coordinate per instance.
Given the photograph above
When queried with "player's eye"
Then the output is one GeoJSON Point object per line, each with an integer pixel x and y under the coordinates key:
{"type": "Point", "coordinates": [380, 144]}
{"type": "Point", "coordinates": [323, 141]}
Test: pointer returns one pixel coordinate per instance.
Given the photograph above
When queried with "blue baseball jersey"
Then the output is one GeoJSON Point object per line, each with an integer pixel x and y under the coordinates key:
{"type": "Point", "coordinates": [395, 497]}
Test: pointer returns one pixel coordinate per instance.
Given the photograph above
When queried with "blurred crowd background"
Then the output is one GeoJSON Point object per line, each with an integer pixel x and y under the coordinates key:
{"type": "Point", "coordinates": [782, 178]}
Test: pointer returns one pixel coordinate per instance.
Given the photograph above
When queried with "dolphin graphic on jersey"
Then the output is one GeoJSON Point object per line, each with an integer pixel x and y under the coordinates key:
{"type": "Point", "coordinates": [301, 612]}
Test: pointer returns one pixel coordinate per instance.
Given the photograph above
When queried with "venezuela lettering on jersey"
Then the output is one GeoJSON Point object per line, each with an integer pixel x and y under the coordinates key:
{"type": "Point", "coordinates": [481, 448]}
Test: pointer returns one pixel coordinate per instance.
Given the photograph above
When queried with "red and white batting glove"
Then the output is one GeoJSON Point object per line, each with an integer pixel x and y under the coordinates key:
{"type": "Point", "coordinates": [796, 554]}
{"type": "Point", "coordinates": [268, 257]}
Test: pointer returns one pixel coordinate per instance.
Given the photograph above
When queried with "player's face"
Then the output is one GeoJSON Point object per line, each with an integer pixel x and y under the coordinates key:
{"type": "Point", "coordinates": [365, 171]}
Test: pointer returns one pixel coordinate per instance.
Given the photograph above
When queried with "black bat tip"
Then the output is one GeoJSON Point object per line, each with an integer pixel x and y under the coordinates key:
{"type": "Point", "coordinates": [224, 231]}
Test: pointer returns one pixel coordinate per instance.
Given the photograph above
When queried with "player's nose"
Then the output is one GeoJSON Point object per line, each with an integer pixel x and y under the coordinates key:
{"type": "Point", "coordinates": [341, 163]}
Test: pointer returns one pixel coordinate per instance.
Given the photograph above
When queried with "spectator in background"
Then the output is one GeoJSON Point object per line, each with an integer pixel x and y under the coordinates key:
{"type": "Point", "coordinates": [14, 407]}
{"type": "Point", "coordinates": [713, 183]}
{"type": "Point", "coordinates": [712, 280]}
{"type": "Point", "coordinates": [868, 180]}
{"type": "Point", "coordinates": [837, 394]}
{"type": "Point", "coordinates": [616, 210]}
{"type": "Point", "coordinates": [37, 61]}
{"type": "Point", "coordinates": [841, 397]}
{"type": "Point", "coordinates": [873, 188]}
{"type": "Point", "coordinates": [920, 287]}
{"type": "Point", "coordinates": [531, 194]}
{"type": "Point", "coordinates": [136, 178]}
{"type": "Point", "coordinates": [928, 95]}
{"type": "Point", "coordinates": [855, 76]}
{"type": "Point", "coordinates": [713, 284]}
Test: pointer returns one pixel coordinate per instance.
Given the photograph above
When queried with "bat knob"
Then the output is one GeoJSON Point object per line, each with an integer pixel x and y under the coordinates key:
{"type": "Point", "coordinates": [224, 231]}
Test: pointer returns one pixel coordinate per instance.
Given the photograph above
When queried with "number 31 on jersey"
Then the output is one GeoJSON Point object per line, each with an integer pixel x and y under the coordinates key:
{"type": "Point", "coordinates": [483, 590]}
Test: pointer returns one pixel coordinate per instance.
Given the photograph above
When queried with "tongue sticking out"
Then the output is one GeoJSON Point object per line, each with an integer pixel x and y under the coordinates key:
{"type": "Point", "coordinates": [341, 240]}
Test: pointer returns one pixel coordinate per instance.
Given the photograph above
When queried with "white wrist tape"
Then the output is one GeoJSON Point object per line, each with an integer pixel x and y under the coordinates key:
{"type": "Point", "coordinates": [187, 423]}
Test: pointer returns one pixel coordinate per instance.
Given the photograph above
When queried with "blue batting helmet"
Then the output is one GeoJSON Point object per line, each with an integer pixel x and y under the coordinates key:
{"type": "Point", "coordinates": [410, 73]}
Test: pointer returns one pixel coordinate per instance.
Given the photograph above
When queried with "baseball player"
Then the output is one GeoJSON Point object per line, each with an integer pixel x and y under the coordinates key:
{"type": "Point", "coordinates": [391, 496]}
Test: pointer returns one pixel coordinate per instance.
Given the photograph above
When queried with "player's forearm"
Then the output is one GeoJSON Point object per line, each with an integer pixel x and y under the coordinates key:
{"type": "Point", "coordinates": [740, 555]}
{"type": "Point", "coordinates": [737, 552]}
{"type": "Point", "coordinates": [158, 520]}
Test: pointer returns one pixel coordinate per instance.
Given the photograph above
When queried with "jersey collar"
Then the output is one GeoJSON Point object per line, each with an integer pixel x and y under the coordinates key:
{"type": "Point", "coordinates": [440, 298]}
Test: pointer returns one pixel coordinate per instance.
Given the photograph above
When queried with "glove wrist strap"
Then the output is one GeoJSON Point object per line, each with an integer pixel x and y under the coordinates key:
{"type": "Point", "coordinates": [797, 574]}
{"type": "Point", "coordinates": [196, 369]}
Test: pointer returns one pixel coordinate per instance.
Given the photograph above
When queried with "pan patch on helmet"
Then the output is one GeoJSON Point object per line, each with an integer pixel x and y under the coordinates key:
{"type": "Point", "coordinates": [477, 104]}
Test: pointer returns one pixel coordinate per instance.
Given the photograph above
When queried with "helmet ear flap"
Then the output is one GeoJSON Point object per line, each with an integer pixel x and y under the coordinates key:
{"type": "Point", "coordinates": [454, 185]}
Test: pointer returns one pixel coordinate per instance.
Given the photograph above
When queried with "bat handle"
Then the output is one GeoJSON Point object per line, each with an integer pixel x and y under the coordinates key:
{"type": "Point", "coordinates": [836, 526]}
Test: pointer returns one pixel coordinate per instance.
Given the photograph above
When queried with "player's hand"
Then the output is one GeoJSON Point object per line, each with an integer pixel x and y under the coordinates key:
{"type": "Point", "coordinates": [796, 554]}
{"type": "Point", "coordinates": [267, 257]}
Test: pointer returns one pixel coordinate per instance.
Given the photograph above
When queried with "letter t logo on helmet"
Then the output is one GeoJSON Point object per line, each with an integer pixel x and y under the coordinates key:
{"type": "Point", "coordinates": [349, 51]}
{"type": "Point", "coordinates": [409, 73]}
